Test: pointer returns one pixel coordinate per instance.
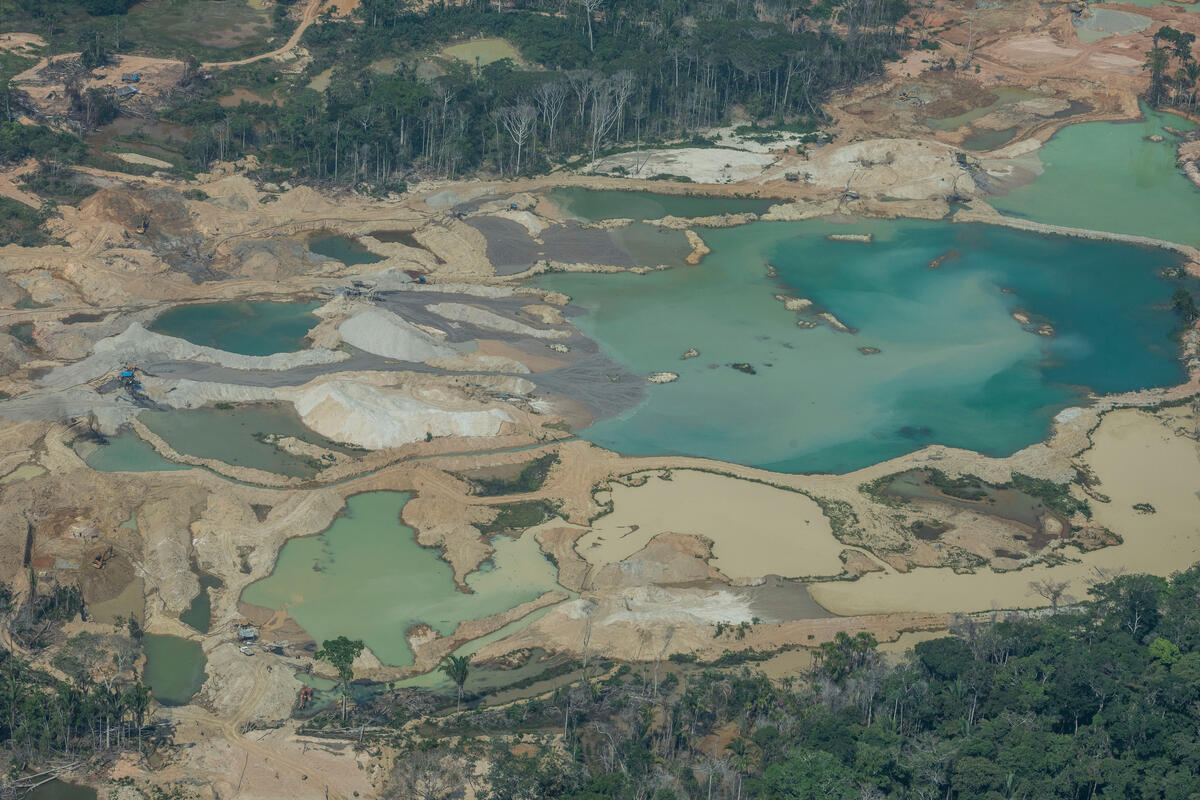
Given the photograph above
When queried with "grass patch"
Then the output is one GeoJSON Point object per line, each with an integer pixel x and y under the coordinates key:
{"type": "Point", "coordinates": [530, 479]}
{"type": "Point", "coordinates": [518, 516]}
{"type": "Point", "coordinates": [1055, 496]}
{"type": "Point", "coordinates": [60, 184]}
{"type": "Point", "coordinates": [20, 224]}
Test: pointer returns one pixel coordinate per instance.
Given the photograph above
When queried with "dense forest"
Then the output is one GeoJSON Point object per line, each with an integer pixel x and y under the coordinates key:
{"type": "Point", "coordinates": [93, 701]}
{"type": "Point", "coordinates": [608, 75]}
{"type": "Point", "coordinates": [1101, 700]}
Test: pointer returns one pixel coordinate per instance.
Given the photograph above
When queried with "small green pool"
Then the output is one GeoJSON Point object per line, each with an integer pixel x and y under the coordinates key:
{"type": "Point", "coordinates": [343, 248]}
{"type": "Point", "coordinates": [199, 614]}
{"type": "Point", "coordinates": [174, 668]}
{"type": "Point", "coordinates": [128, 452]}
{"type": "Point", "coordinates": [234, 436]}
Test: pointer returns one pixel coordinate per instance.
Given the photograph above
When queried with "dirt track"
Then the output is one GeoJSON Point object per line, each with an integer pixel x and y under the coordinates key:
{"type": "Point", "coordinates": [310, 16]}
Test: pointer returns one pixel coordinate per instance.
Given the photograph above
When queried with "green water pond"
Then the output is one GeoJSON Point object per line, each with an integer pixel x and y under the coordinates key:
{"type": "Point", "coordinates": [174, 668]}
{"type": "Point", "coordinates": [228, 435]}
{"type": "Point", "coordinates": [198, 614]}
{"type": "Point", "coordinates": [345, 249]}
{"type": "Point", "coordinates": [955, 367]}
{"type": "Point", "coordinates": [1108, 176]}
{"type": "Point", "coordinates": [61, 790]}
{"type": "Point", "coordinates": [128, 452]}
{"type": "Point", "coordinates": [593, 204]}
{"type": "Point", "coordinates": [249, 328]}
{"type": "Point", "coordinates": [367, 577]}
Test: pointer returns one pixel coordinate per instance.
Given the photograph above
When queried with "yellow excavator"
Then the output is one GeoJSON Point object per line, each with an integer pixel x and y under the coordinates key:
{"type": "Point", "coordinates": [143, 224]}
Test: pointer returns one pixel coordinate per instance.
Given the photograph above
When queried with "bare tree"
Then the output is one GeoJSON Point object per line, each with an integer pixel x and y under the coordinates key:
{"type": "Point", "coordinates": [583, 83]}
{"type": "Point", "coordinates": [605, 110]}
{"type": "Point", "coordinates": [590, 7]}
{"type": "Point", "coordinates": [518, 122]}
{"type": "Point", "coordinates": [1052, 591]}
{"type": "Point", "coordinates": [550, 98]}
{"type": "Point", "coordinates": [428, 775]}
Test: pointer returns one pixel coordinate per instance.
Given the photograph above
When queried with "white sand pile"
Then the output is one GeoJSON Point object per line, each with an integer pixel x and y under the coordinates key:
{"type": "Point", "coordinates": [386, 334]}
{"type": "Point", "coordinates": [138, 158]}
{"type": "Point", "coordinates": [458, 312]}
{"type": "Point", "coordinates": [372, 417]}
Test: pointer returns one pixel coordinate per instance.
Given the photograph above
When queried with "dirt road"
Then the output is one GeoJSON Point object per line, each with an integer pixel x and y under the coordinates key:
{"type": "Point", "coordinates": [310, 16]}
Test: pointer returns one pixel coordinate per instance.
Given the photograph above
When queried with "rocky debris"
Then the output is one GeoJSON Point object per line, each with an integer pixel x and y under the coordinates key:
{"type": "Point", "coordinates": [748, 369]}
{"type": "Point", "coordinates": [836, 323]}
{"type": "Point", "coordinates": [869, 351]}
{"type": "Point", "coordinates": [699, 248]}
{"type": "Point", "coordinates": [546, 315]}
{"type": "Point", "coordinates": [559, 348]}
{"type": "Point", "coordinates": [299, 447]}
{"type": "Point", "coordinates": [663, 377]}
{"type": "Point", "coordinates": [1156, 138]}
{"type": "Point", "coordinates": [713, 221]}
{"type": "Point", "coordinates": [851, 237]}
{"type": "Point", "coordinates": [772, 272]}
{"type": "Point", "coordinates": [794, 303]}
{"type": "Point", "coordinates": [691, 353]}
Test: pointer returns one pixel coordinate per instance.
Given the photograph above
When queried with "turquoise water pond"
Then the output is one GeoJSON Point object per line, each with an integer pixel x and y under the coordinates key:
{"type": "Point", "coordinates": [593, 204]}
{"type": "Point", "coordinates": [174, 668]}
{"type": "Point", "coordinates": [228, 435]}
{"type": "Point", "coordinates": [1107, 176]}
{"type": "Point", "coordinates": [367, 578]}
{"type": "Point", "coordinates": [955, 368]}
{"type": "Point", "coordinates": [128, 452]}
{"type": "Point", "coordinates": [249, 328]}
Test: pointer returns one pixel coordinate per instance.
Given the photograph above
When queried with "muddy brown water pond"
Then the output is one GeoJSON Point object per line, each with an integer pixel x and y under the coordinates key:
{"type": "Point", "coordinates": [1004, 502]}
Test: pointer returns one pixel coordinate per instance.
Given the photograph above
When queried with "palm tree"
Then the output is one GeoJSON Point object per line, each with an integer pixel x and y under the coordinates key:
{"type": "Point", "coordinates": [456, 668]}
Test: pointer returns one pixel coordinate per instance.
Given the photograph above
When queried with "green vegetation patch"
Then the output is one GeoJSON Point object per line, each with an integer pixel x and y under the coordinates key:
{"type": "Point", "coordinates": [530, 479]}
{"type": "Point", "coordinates": [20, 224]}
{"type": "Point", "coordinates": [1054, 496]}
{"type": "Point", "coordinates": [518, 516]}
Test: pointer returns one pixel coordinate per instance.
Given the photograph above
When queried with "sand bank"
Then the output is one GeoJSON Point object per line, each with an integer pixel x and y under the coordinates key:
{"type": "Point", "coordinates": [755, 529]}
{"type": "Point", "coordinates": [1138, 457]}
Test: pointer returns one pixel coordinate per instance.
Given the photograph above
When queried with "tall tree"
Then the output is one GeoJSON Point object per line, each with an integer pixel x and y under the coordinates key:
{"type": "Point", "coordinates": [340, 654]}
{"type": "Point", "coordinates": [456, 668]}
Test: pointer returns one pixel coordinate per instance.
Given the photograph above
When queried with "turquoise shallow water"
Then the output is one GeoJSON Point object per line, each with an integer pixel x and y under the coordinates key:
{"type": "Point", "coordinates": [1107, 176]}
{"type": "Point", "coordinates": [592, 204]}
{"type": "Point", "coordinates": [128, 452]}
{"type": "Point", "coordinates": [955, 367]}
{"type": "Point", "coordinates": [248, 328]}
{"type": "Point", "coordinates": [366, 577]}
